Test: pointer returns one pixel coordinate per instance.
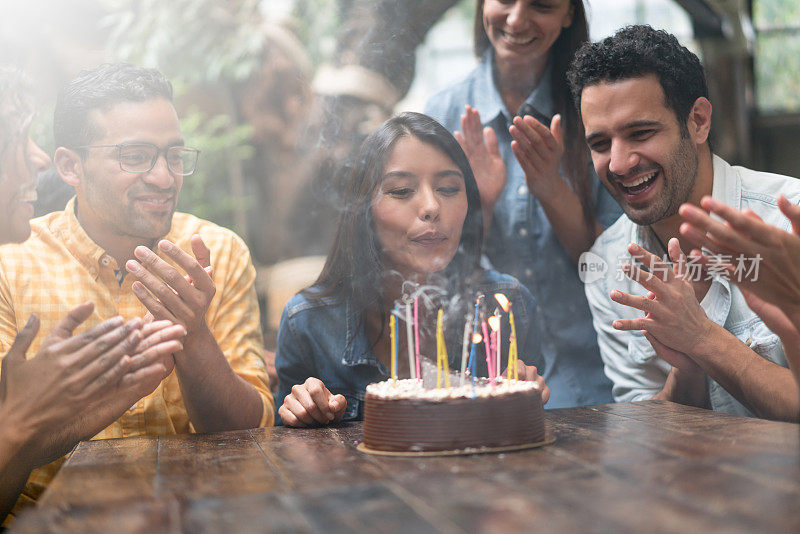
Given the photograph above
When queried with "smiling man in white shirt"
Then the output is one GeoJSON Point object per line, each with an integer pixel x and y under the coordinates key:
{"type": "Point", "coordinates": [676, 332]}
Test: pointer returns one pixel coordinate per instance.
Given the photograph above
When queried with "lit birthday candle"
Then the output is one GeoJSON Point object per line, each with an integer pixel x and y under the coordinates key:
{"type": "Point", "coordinates": [494, 324]}
{"type": "Point", "coordinates": [393, 338]}
{"type": "Point", "coordinates": [498, 353]}
{"type": "Point", "coordinates": [487, 345]}
{"type": "Point", "coordinates": [476, 338]}
{"type": "Point", "coordinates": [438, 349]}
{"type": "Point", "coordinates": [464, 351]}
{"type": "Point", "coordinates": [416, 337]}
{"type": "Point", "coordinates": [512, 348]}
{"type": "Point", "coordinates": [473, 357]}
{"type": "Point", "coordinates": [411, 366]}
{"type": "Point", "coordinates": [505, 304]}
{"type": "Point", "coordinates": [441, 352]}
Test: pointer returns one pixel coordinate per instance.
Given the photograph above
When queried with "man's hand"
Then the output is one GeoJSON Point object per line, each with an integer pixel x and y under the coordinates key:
{"type": "Point", "coordinates": [310, 404]}
{"type": "Point", "coordinates": [745, 234]}
{"type": "Point", "coordinates": [480, 146]}
{"type": "Point", "coordinates": [169, 294]}
{"type": "Point", "coordinates": [531, 374]}
{"type": "Point", "coordinates": [539, 150]}
{"type": "Point", "coordinates": [686, 382]}
{"type": "Point", "coordinates": [672, 316]}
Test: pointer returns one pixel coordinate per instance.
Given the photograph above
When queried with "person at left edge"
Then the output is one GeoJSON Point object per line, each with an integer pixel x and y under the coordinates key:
{"type": "Point", "coordinates": [82, 378]}
{"type": "Point", "coordinates": [120, 244]}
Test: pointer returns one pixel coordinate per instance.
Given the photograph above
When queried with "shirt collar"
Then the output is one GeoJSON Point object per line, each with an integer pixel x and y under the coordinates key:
{"type": "Point", "coordinates": [69, 230]}
{"type": "Point", "coordinates": [489, 103]}
{"type": "Point", "coordinates": [727, 184]}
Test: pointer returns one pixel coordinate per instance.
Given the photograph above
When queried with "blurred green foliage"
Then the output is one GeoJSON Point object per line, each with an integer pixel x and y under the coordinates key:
{"type": "Point", "coordinates": [196, 44]}
{"type": "Point", "coordinates": [206, 193]}
{"type": "Point", "coordinates": [317, 22]}
{"type": "Point", "coordinates": [776, 13]}
{"type": "Point", "coordinates": [777, 55]}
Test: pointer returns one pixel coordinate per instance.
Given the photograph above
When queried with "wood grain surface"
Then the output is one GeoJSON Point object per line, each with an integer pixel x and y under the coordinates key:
{"type": "Point", "coordinates": [633, 467]}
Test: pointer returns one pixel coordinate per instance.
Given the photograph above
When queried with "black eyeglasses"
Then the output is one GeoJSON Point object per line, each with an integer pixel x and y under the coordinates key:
{"type": "Point", "coordinates": [142, 157]}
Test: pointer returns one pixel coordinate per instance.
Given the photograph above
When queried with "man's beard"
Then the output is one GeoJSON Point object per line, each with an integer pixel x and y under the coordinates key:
{"type": "Point", "coordinates": [121, 214]}
{"type": "Point", "coordinates": [678, 178]}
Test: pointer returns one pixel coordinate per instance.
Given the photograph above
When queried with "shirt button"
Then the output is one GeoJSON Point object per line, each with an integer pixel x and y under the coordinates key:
{"type": "Point", "coordinates": [522, 190]}
{"type": "Point", "coordinates": [528, 273]}
{"type": "Point", "coordinates": [523, 231]}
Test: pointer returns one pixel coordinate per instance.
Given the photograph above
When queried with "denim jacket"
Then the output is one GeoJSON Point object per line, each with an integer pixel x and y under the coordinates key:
{"type": "Point", "coordinates": [323, 339]}
{"type": "Point", "coordinates": [522, 242]}
{"type": "Point", "coordinates": [630, 360]}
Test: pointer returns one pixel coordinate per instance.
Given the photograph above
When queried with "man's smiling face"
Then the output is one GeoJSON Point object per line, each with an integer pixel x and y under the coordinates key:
{"type": "Point", "coordinates": [640, 152]}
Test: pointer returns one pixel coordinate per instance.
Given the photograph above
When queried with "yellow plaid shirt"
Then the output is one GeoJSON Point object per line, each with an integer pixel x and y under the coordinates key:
{"type": "Point", "coordinates": [60, 267]}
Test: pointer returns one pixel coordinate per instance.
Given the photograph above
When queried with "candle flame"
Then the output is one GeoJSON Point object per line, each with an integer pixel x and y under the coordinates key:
{"type": "Point", "coordinates": [477, 338]}
{"type": "Point", "coordinates": [494, 322]}
{"type": "Point", "coordinates": [503, 301]}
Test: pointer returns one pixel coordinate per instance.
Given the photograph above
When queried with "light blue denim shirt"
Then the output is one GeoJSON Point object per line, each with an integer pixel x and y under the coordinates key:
{"type": "Point", "coordinates": [630, 361]}
{"type": "Point", "coordinates": [324, 340]}
{"type": "Point", "coordinates": [522, 242]}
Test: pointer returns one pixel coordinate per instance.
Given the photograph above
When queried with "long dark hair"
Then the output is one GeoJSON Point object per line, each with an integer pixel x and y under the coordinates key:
{"type": "Point", "coordinates": [576, 159]}
{"type": "Point", "coordinates": [354, 269]}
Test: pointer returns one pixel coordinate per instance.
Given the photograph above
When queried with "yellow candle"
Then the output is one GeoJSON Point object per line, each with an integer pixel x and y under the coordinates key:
{"type": "Point", "coordinates": [512, 348]}
{"type": "Point", "coordinates": [393, 337]}
{"type": "Point", "coordinates": [442, 367]}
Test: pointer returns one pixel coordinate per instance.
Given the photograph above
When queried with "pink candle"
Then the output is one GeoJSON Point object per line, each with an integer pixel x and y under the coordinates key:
{"type": "Point", "coordinates": [416, 336]}
{"type": "Point", "coordinates": [486, 343]}
{"type": "Point", "coordinates": [494, 324]}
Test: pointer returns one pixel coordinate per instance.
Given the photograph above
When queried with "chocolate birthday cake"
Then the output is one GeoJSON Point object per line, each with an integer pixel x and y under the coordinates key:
{"type": "Point", "coordinates": [403, 416]}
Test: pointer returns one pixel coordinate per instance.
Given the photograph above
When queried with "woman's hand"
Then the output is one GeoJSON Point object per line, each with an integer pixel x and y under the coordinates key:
{"type": "Point", "coordinates": [531, 374]}
{"type": "Point", "coordinates": [310, 403]}
{"type": "Point", "coordinates": [538, 150]}
{"type": "Point", "coordinates": [480, 146]}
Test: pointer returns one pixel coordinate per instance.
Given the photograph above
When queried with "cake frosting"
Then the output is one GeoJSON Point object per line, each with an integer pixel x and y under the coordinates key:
{"type": "Point", "coordinates": [403, 416]}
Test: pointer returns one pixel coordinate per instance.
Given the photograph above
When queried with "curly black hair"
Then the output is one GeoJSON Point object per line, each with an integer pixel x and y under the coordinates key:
{"type": "Point", "coordinates": [636, 51]}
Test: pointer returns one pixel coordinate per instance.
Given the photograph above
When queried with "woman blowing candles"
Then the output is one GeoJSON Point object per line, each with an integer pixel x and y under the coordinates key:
{"type": "Point", "coordinates": [543, 205]}
{"type": "Point", "coordinates": [75, 385]}
{"type": "Point", "coordinates": [411, 214]}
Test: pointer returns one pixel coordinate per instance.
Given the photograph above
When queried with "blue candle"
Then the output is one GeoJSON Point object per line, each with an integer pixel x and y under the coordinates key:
{"type": "Point", "coordinates": [472, 352]}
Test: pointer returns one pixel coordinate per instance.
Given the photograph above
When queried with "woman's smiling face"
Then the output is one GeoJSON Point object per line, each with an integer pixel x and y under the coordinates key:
{"type": "Point", "coordinates": [419, 209]}
{"type": "Point", "coordinates": [18, 168]}
{"type": "Point", "coordinates": [523, 31]}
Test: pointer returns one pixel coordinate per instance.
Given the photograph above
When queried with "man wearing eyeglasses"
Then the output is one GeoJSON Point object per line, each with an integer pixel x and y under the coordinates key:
{"type": "Point", "coordinates": [120, 243]}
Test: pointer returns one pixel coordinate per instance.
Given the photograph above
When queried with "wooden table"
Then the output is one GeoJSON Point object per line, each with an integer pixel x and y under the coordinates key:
{"type": "Point", "coordinates": [636, 467]}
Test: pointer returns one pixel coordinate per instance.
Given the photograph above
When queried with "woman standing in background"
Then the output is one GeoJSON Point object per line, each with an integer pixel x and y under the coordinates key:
{"type": "Point", "coordinates": [543, 205]}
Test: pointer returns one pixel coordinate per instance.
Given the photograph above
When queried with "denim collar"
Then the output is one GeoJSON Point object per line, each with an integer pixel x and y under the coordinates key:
{"type": "Point", "coordinates": [489, 103]}
{"type": "Point", "coordinates": [357, 351]}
